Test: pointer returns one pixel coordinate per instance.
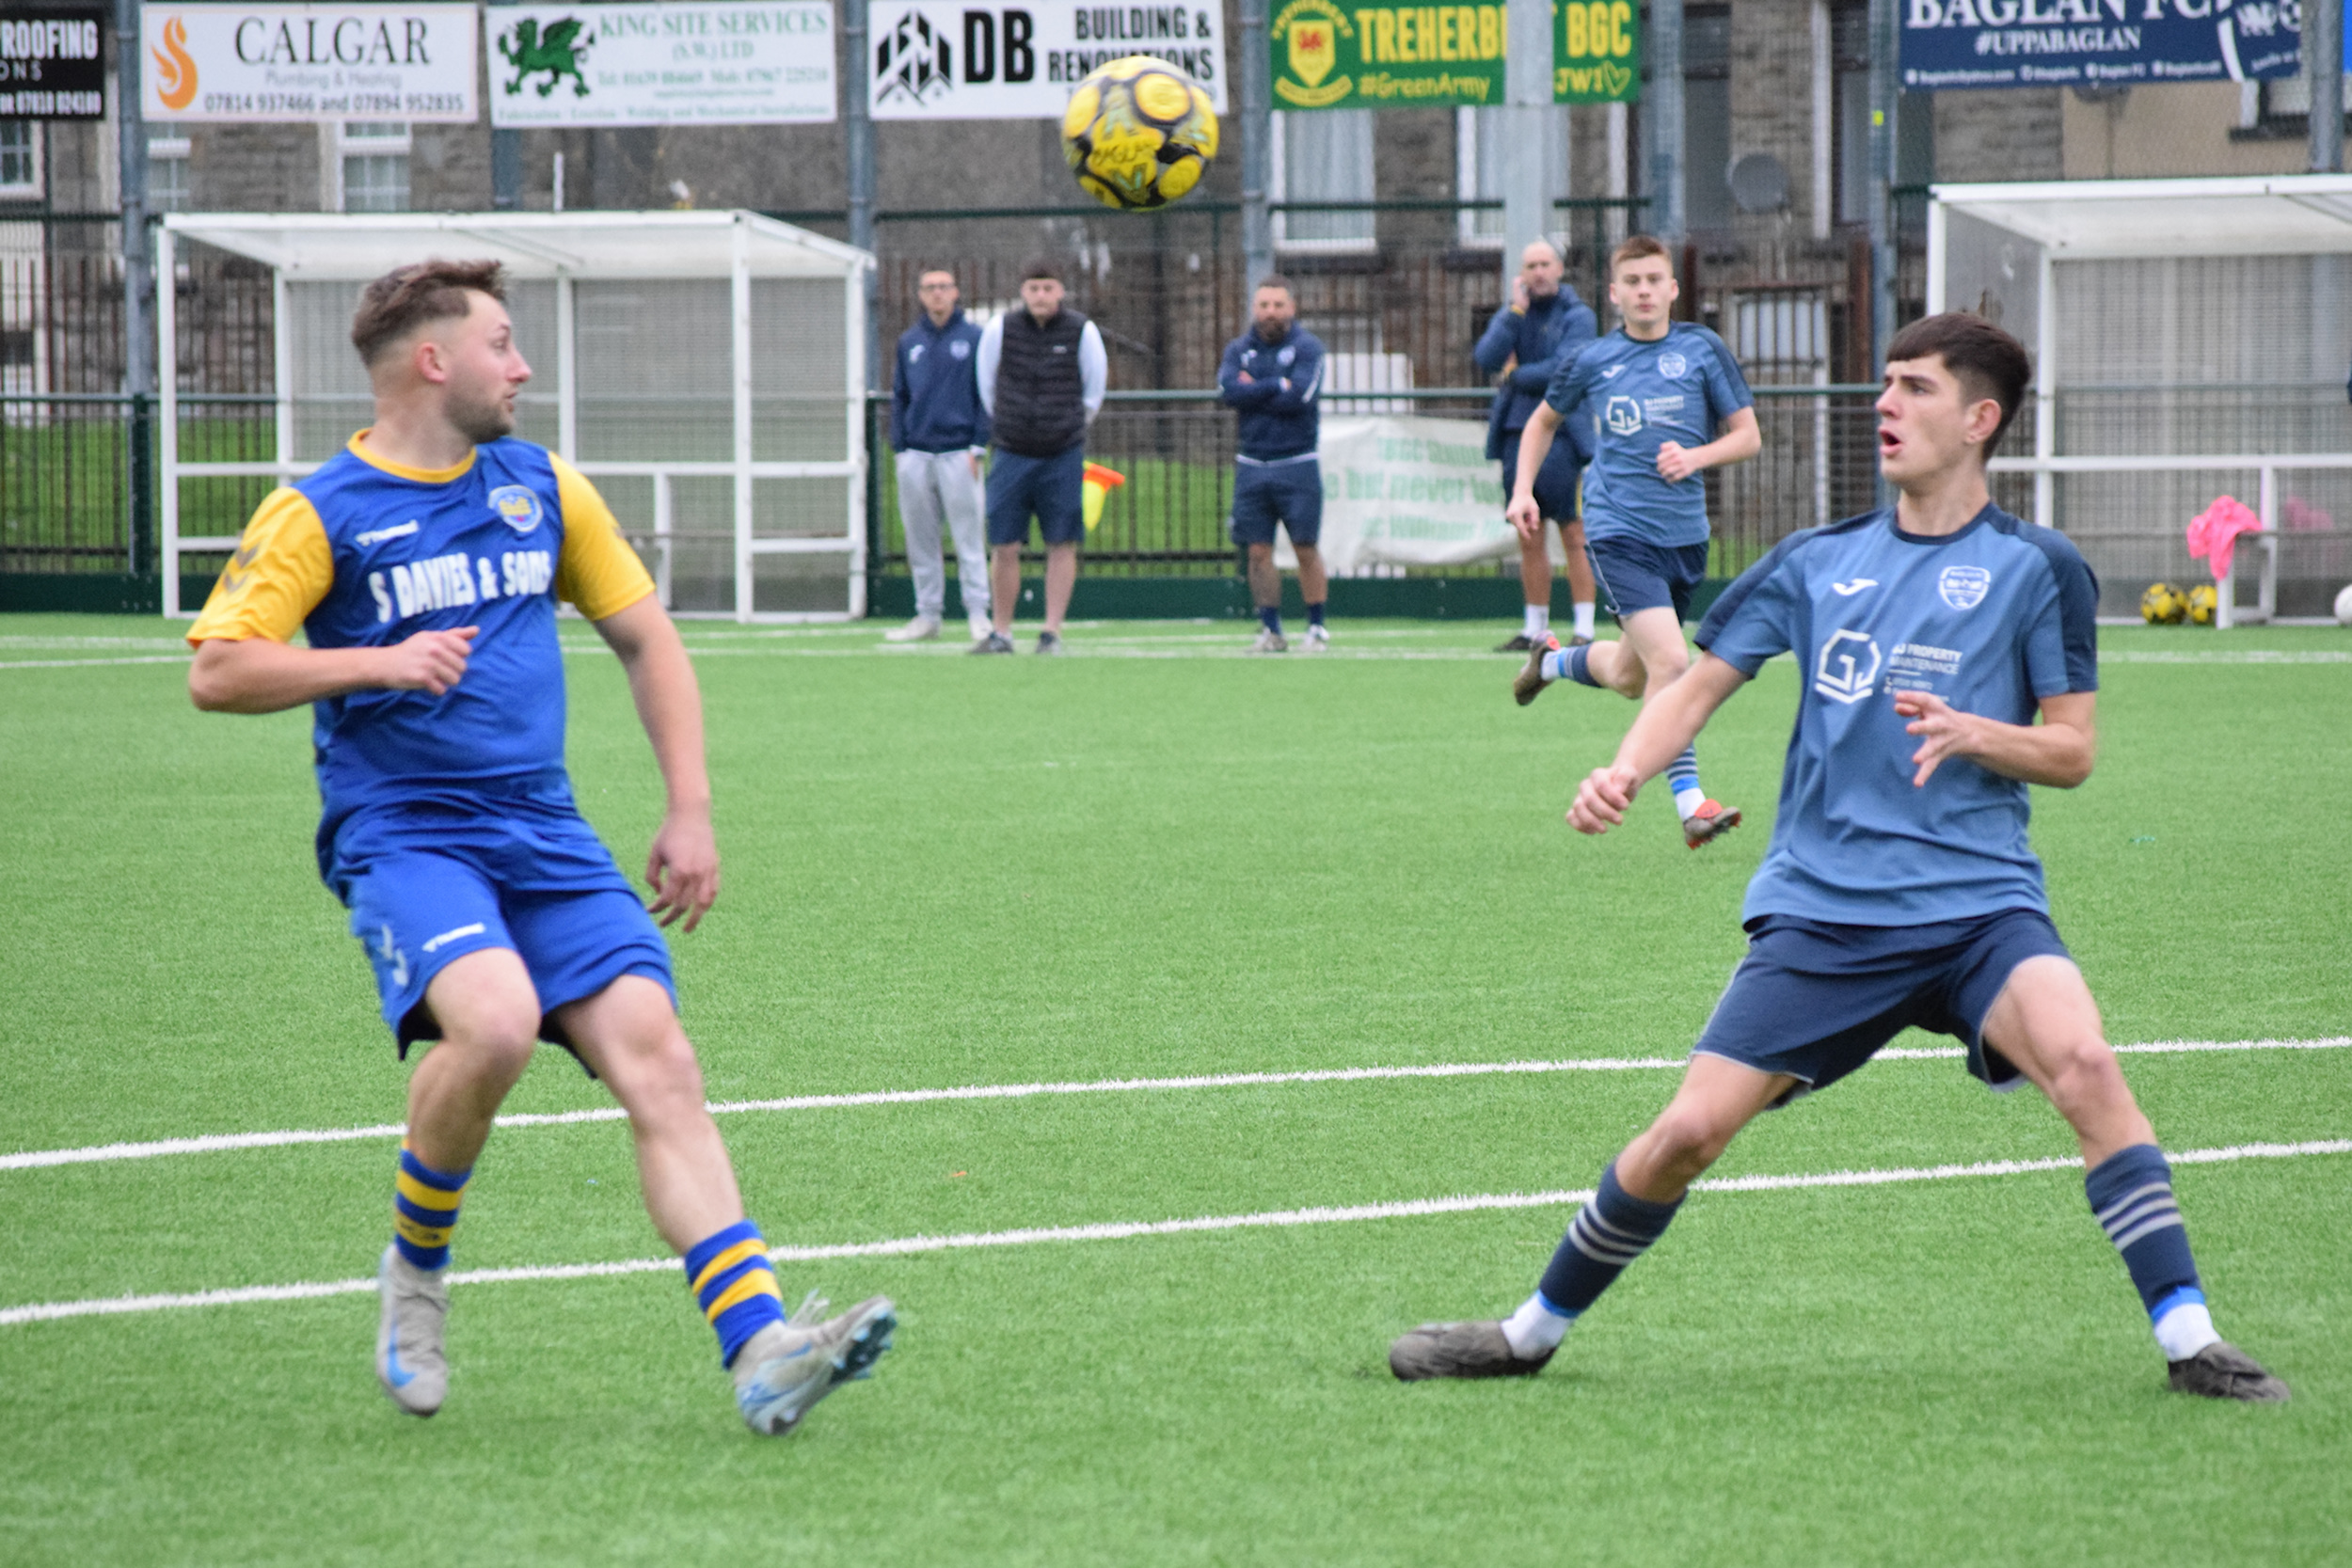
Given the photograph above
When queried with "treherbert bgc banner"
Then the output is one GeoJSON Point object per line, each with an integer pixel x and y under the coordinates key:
{"type": "Point", "coordinates": [944, 59]}
{"type": "Point", "coordinates": [212, 62]}
{"type": "Point", "coordinates": [729, 62]}
{"type": "Point", "coordinates": [1327, 56]}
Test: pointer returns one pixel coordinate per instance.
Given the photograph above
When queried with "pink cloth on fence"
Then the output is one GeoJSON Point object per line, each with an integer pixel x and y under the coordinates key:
{"type": "Point", "coordinates": [2212, 533]}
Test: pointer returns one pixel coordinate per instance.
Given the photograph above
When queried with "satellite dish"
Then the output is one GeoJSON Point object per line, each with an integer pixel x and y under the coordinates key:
{"type": "Point", "coordinates": [1760, 183]}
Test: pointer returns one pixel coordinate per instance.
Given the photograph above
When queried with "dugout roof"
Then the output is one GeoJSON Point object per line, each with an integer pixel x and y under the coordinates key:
{"type": "Point", "coordinates": [355, 247]}
{"type": "Point", "coordinates": [2257, 215]}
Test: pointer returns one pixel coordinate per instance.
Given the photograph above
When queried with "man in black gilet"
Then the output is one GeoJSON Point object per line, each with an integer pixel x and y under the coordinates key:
{"type": "Point", "coordinates": [1042, 373]}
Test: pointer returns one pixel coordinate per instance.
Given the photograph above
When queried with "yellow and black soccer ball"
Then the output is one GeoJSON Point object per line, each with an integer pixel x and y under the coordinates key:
{"type": "Point", "coordinates": [2163, 605]}
{"type": "Point", "coordinates": [1137, 133]}
{"type": "Point", "coordinates": [2202, 600]}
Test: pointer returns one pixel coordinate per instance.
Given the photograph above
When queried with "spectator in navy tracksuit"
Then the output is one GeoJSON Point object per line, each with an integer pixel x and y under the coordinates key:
{"type": "Point", "coordinates": [1272, 374]}
{"type": "Point", "coordinates": [1529, 339]}
{"type": "Point", "coordinates": [939, 430]}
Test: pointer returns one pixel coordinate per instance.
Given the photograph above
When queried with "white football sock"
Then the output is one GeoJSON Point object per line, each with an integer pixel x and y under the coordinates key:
{"type": "Point", "coordinates": [1584, 618]}
{"type": "Point", "coordinates": [1689, 801]}
{"type": "Point", "coordinates": [2184, 1331]}
{"type": "Point", "coordinates": [1536, 1328]}
{"type": "Point", "coordinates": [1538, 620]}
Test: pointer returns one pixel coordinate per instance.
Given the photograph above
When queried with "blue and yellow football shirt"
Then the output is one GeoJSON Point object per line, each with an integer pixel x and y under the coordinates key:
{"type": "Point", "coordinates": [366, 553]}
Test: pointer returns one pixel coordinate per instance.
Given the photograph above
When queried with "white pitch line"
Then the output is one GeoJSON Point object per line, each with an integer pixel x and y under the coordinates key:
{"type": "Point", "coordinates": [212, 1142]}
{"type": "Point", "coordinates": [85, 663]}
{"type": "Point", "coordinates": [1117, 1230]}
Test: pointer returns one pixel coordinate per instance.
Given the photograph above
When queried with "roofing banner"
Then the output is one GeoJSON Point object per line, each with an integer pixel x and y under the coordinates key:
{"type": "Point", "coordinates": [213, 62]}
{"type": "Point", "coordinates": [2040, 43]}
{"type": "Point", "coordinates": [50, 66]}
{"type": "Point", "coordinates": [723, 62]}
{"type": "Point", "coordinates": [934, 60]}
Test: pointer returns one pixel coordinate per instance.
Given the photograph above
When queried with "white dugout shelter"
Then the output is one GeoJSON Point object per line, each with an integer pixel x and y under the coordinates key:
{"type": "Point", "coordinates": [2191, 339]}
{"type": "Point", "coordinates": [705, 368]}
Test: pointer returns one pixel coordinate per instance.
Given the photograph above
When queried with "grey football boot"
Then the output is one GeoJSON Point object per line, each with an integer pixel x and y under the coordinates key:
{"type": "Point", "coordinates": [2223, 1371]}
{"type": "Point", "coordinates": [1460, 1350]}
{"type": "Point", "coordinates": [784, 1368]}
{"type": "Point", "coordinates": [409, 1361]}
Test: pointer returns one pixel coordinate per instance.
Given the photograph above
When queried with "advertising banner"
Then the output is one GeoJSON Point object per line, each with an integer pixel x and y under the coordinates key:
{"type": "Point", "coordinates": [213, 62]}
{"type": "Point", "coordinates": [942, 61]}
{"type": "Point", "coordinates": [1596, 52]}
{"type": "Point", "coordinates": [1407, 491]}
{"type": "Point", "coordinates": [726, 62]}
{"type": "Point", "coordinates": [1327, 56]}
{"type": "Point", "coordinates": [2040, 43]}
{"type": "Point", "coordinates": [49, 65]}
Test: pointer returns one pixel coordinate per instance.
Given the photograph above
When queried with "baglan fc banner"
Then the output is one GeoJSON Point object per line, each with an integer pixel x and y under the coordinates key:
{"type": "Point", "coordinates": [727, 62]}
{"type": "Point", "coordinates": [955, 61]}
{"type": "Point", "coordinates": [213, 62]}
{"type": "Point", "coordinates": [2040, 43]}
{"type": "Point", "coordinates": [1331, 56]}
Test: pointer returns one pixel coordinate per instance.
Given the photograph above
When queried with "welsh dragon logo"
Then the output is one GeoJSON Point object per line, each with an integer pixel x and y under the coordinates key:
{"type": "Point", "coordinates": [559, 54]}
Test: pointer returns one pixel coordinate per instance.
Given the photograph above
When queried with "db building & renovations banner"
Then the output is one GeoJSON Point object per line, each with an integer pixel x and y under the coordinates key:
{"type": "Point", "coordinates": [955, 61]}
{"type": "Point", "coordinates": [1328, 55]}
{"type": "Point", "coordinates": [1407, 491]}
{"type": "Point", "coordinates": [214, 62]}
{"type": "Point", "coordinates": [729, 62]}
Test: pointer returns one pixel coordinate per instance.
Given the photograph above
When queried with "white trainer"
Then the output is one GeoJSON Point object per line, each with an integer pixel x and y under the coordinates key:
{"type": "Point", "coordinates": [980, 627]}
{"type": "Point", "coordinates": [408, 1357]}
{"type": "Point", "coordinates": [1316, 640]}
{"type": "Point", "coordinates": [921, 629]}
{"type": "Point", "coordinates": [1270, 642]}
{"type": "Point", "coordinates": [786, 1367]}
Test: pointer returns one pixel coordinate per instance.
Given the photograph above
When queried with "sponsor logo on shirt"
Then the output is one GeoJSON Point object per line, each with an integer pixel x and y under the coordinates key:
{"type": "Point", "coordinates": [1660, 407]}
{"type": "Point", "coordinates": [1623, 416]}
{"type": "Point", "coordinates": [1847, 590]}
{"type": "Point", "coordinates": [1848, 665]}
{"type": "Point", "coordinates": [1613, 372]}
{"type": "Point", "coordinates": [446, 582]}
{"type": "Point", "coordinates": [1672, 366]}
{"type": "Point", "coordinates": [914, 354]}
{"type": "Point", "coordinates": [377, 535]}
{"type": "Point", "coordinates": [1963, 587]}
{"type": "Point", "coordinates": [1914, 665]}
{"type": "Point", "coordinates": [518, 506]}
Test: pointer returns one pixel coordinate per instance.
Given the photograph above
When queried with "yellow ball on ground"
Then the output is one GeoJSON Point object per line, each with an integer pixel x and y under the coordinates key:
{"type": "Point", "coordinates": [2163, 605]}
{"type": "Point", "coordinates": [2202, 603]}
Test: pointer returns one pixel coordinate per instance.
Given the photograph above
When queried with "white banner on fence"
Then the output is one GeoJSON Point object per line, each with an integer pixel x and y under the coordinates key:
{"type": "Point", "coordinates": [213, 62]}
{"type": "Point", "coordinates": [1403, 490]}
{"type": "Point", "coordinates": [934, 60]}
{"type": "Point", "coordinates": [726, 62]}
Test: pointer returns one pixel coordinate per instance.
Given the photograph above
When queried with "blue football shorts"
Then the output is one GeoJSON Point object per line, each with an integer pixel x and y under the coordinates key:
{"type": "Point", "coordinates": [1290, 493]}
{"type": "Point", "coordinates": [1555, 481]}
{"type": "Point", "coordinates": [429, 884]}
{"type": "Point", "coordinates": [1633, 574]}
{"type": "Point", "coordinates": [1053, 489]}
{"type": "Point", "coordinates": [1816, 1001]}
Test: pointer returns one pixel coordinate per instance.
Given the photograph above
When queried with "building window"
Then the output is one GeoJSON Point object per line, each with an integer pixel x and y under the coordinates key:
{"type": "Point", "coordinates": [2280, 110]}
{"type": "Point", "coordinates": [1706, 117]}
{"type": "Point", "coordinates": [373, 157]}
{"type": "Point", "coordinates": [20, 159]}
{"type": "Point", "coordinates": [1914, 119]}
{"type": "Point", "coordinates": [1324, 156]}
{"type": "Point", "coordinates": [167, 174]}
{"type": "Point", "coordinates": [1482, 150]}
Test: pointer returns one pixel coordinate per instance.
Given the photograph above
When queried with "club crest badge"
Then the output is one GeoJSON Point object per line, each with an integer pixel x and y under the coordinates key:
{"type": "Point", "coordinates": [1285, 358]}
{"type": "Point", "coordinates": [1963, 587]}
{"type": "Point", "coordinates": [960, 350]}
{"type": "Point", "coordinates": [1672, 366]}
{"type": "Point", "coordinates": [518, 506]}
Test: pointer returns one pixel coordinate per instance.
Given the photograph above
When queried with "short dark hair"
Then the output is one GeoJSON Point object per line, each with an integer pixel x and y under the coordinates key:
{"type": "Point", "coordinates": [1988, 361]}
{"type": "Point", "coordinates": [1041, 266]}
{"type": "Point", "coordinates": [1274, 280]}
{"type": "Point", "coordinates": [1635, 246]}
{"type": "Point", "coordinates": [407, 297]}
{"type": "Point", "coordinates": [925, 272]}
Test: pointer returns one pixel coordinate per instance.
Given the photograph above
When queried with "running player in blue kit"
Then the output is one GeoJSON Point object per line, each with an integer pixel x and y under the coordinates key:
{"type": "Point", "coordinates": [1900, 890]}
{"type": "Point", "coordinates": [1661, 388]}
{"type": "Point", "coordinates": [422, 564]}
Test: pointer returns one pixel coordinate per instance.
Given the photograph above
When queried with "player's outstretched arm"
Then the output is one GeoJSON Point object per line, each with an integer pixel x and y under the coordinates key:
{"type": "Point", "coordinates": [683, 864]}
{"type": "Point", "coordinates": [257, 675]}
{"type": "Point", "coordinates": [2059, 751]}
{"type": "Point", "coordinates": [1535, 446]}
{"type": "Point", "coordinates": [1668, 721]}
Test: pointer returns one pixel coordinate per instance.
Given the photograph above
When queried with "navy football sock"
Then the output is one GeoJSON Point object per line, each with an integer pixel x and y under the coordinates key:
{"type": "Point", "coordinates": [1606, 1235]}
{"type": "Point", "coordinates": [1270, 617]}
{"type": "Point", "coordinates": [2131, 1192]}
{"type": "Point", "coordinates": [1314, 613]}
{"type": "Point", "coordinates": [1682, 777]}
{"type": "Point", "coordinates": [1578, 665]}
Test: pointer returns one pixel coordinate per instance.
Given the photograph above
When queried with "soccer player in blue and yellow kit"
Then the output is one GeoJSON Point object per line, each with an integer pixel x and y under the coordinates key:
{"type": "Point", "coordinates": [422, 564]}
{"type": "Point", "coordinates": [1900, 890]}
{"type": "Point", "coordinates": [1661, 388]}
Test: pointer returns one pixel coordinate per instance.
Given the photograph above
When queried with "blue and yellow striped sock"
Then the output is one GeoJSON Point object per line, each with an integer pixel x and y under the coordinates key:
{"type": "Point", "coordinates": [730, 1276]}
{"type": "Point", "coordinates": [425, 1209]}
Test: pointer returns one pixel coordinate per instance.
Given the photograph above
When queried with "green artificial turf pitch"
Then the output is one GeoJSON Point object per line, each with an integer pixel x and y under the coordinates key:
{"type": "Point", "coordinates": [944, 871]}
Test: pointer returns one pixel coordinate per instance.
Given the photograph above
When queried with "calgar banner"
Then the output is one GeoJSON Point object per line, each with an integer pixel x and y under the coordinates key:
{"type": "Point", "coordinates": [943, 61]}
{"type": "Point", "coordinates": [2040, 43]}
{"type": "Point", "coordinates": [728, 62]}
{"type": "Point", "coordinates": [1407, 491]}
{"type": "Point", "coordinates": [213, 62]}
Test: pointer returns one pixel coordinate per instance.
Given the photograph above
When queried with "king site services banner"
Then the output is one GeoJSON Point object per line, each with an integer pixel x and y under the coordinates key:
{"type": "Point", "coordinates": [2040, 43]}
{"type": "Point", "coordinates": [214, 62]}
{"type": "Point", "coordinates": [955, 61]}
{"type": "Point", "coordinates": [1402, 490]}
{"type": "Point", "coordinates": [1329, 56]}
{"type": "Point", "coordinates": [726, 62]}
{"type": "Point", "coordinates": [49, 65]}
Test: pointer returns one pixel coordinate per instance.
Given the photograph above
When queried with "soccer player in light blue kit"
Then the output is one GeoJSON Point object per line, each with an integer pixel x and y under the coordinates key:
{"type": "Point", "coordinates": [1900, 890]}
{"type": "Point", "coordinates": [422, 564]}
{"type": "Point", "coordinates": [1661, 387]}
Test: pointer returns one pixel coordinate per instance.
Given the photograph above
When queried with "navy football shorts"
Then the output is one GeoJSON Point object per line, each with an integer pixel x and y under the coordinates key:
{"type": "Point", "coordinates": [1053, 489]}
{"type": "Point", "coordinates": [1816, 1001]}
{"type": "Point", "coordinates": [1266, 493]}
{"type": "Point", "coordinates": [1555, 481]}
{"type": "Point", "coordinates": [1633, 574]}
{"type": "Point", "coordinates": [429, 884]}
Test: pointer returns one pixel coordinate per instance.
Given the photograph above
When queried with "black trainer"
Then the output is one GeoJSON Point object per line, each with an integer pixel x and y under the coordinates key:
{"type": "Point", "coordinates": [2223, 1371]}
{"type": "Point", "coordinates": [1458, 1349]}
{"type": "Point", "coordinates": [1519, 645]}
{"type": "Point", "coordinates": [994, 642]}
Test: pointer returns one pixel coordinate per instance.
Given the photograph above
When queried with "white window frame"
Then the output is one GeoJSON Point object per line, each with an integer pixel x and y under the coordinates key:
{"type": "Point", "coordinates": [30, 189]}
{"type": "Point", "coordinates": [1466, 228]}
{"type": "Point", "coordinates": [168, 150]}
{"type": "Point", "coordinates": [1278, 189]}
{"type": "Point", "coordinates": [340, 142]}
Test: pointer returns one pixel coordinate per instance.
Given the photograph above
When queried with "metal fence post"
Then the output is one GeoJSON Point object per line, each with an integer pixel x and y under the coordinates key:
{"type": "Point", "coordinates": [1884, 40]}
{"type": "Point", "coordinates": [1257, 134]}
{"type": "Point", "coordinates": [138, 342]}
{"type": "Point", "coordinates": [2323, 68]}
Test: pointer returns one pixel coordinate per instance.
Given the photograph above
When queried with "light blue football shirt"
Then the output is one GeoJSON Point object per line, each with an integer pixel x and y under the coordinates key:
{"type": "Point", "coordinates": [1645, 395]}
{"type": "Point", "coordinates": [1991, 619]}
